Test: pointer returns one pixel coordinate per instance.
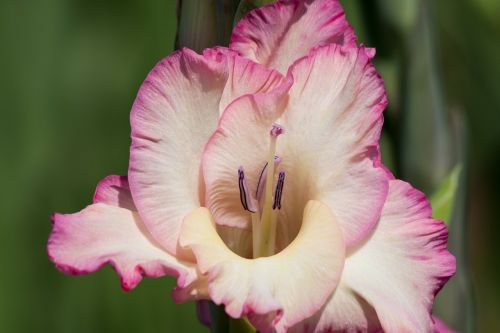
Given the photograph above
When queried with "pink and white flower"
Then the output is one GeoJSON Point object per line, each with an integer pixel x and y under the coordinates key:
{"type": "Point", "coordinates": [255, 179]}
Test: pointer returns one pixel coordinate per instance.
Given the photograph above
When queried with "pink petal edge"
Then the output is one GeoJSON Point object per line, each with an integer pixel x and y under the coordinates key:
{"type": "Point", "coordinates": [183, 91]}
{"type": "Point", "coordinates": [319, 56]}
{"type": "Point", "coordinates": [106, 233]}
{"type": "Point", "coordinates": [277, 34]}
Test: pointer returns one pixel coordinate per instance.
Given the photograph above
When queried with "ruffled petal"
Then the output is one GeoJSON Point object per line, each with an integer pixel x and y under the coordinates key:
{"type": "Point", "coordinates": [332, 116]}
{"type": "Point", "coordinates": [275, 292]}
{"type": "Point", "coordinates": [83, 242]}
{"type": "Point", "coordinates": [330, 149]}
{"type": "Point", "coordinates": [278, 34]}
{"type": "Point", "coordinates": [395, 273]}
{"type": "Point", "coordinates": [399, 268]}
{"type": "Point", "coordinates": [176, 111]}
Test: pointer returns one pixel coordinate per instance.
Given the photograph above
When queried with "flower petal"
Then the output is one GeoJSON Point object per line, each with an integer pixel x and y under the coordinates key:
{"type": "Point", "coordinates": [344, 312]}
{"type": "Point", "coordinates": [83, 242]}
{"type": "Point", "coordinates": [276, 291]}
{"type": "Point", "coordinates": [404, 263]}
{"type": "Point", "coordinates": [114, 190]}
{"type": "Point", "coordinates": [237, 240]}
{"type": "Point", "coordinates": [396, 272]}
{"type": "Point", "coordinates": [176, 111]}
{"type": "Point", "coordinates": [242, 139]}
{"type": "Point", "coordinates": [332, 118]}
{"type": "Point", "coordinates": [333, 121]}
{"type": "Point", "coordinates": [278, 34]}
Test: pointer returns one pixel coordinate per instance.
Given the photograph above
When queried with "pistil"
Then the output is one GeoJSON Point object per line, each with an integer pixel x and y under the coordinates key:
{"type": "Point", "coordinates": [269, 216]}
{"type": "Point", "coordinates": [264, 206]}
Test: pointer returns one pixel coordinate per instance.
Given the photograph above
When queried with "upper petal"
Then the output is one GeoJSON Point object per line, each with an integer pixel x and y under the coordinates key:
{"type": "Point", "coordinates": [83, 242]}
{"type": "Point", "coordinates": [332, 116]}
{"type": "Point", "coordinates": [242, 139]}
{"type": "Point", "coordinates": [330, 149]}
{"type": "Point", "coordinates": [278, 291]}
{"type": "Point", "coordinates": [278, 34]}
{"type": "Point", "coordinates": [176, 110]}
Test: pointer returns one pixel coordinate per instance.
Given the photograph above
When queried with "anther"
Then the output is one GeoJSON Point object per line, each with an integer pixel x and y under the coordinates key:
{"type": "Point", "coordinates": [246, 200]}
{"type": "Point", "coordinates": [261, 184]}
{"type": "Point", "coordinates": [279, 190]}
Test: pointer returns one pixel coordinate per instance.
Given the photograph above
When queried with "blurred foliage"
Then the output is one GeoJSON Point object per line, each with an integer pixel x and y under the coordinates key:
{"type": "Point", "coordinates": [443, 198]}
{"type": "Point", "coordinates": [452, 74]}
{"type": "Point", "coordinates": [197, 24]}
{"type": "Point", "coordinates": [70, 72]}
{"type": "Point", "coordinates": [241, 326]}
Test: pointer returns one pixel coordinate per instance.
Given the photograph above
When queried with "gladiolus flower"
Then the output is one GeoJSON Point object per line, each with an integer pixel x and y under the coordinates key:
{"type": "Point", "coordinates": [255, 179]}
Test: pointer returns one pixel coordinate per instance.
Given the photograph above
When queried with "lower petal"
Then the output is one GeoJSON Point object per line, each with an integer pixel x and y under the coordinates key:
{"type": "Point", "coordinates": [275, 292]}
{"type": "Point", "coordinates": [345, 312]}
{"type": "Point", "coordinates": [389, 282]}
{"type": "Point", "coordinates": [403, 263]}
{"type": "Point", "coordinates": [83, 242]}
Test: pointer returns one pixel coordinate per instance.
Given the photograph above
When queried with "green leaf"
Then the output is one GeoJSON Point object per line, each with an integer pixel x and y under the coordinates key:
{"type": "Point", "coordinates": [443, 198]}
{"type": "Point", "coordinates": [240, 326]}
{"type": "Point", "coordinates": [427, 151]}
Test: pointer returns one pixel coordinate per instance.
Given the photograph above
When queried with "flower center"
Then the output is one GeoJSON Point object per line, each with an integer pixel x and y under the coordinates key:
{"type": "Point", "coordinates": [264, 206]}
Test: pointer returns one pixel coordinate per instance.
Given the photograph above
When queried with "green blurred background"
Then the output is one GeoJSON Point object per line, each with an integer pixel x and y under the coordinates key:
{"type": "Point", "coordinates": [70, 70]}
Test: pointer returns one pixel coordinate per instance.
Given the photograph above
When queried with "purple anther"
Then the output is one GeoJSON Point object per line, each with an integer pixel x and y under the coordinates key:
{"type": "Point", "coordinates": [246, 200]}
{"type": "Point", "coordinates": [279, 190]}
{"type": "Point", "coordinates": [277, 130]}
{"type": "Point", "coordinates": [261, 185]}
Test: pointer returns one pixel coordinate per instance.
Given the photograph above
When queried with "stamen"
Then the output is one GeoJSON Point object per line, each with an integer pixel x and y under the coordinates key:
{"type": "Point", "coordinates": [279, 190]}
{"type": "Point", "coordinates": [246, 200]}
{"type": "Point", "coordinates": [262, 179]}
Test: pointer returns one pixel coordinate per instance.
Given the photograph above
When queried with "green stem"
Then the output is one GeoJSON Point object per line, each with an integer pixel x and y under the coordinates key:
{"type": "Point", "coordinates": [196, 25]}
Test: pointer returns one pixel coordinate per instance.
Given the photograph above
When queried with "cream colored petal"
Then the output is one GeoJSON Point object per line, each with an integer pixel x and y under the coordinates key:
{"type": "Point", "coordinates": [275, 292]}
{"type": "Point", "coordinates": [175, 112]}
{"type": "Point", "coordinates": [330, 149]}
{"type": "Point", "coordinates": [389, 282]}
